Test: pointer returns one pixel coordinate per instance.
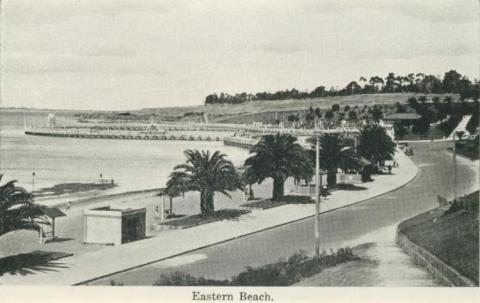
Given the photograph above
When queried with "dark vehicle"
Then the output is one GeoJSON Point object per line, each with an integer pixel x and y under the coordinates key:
{"type": "Point", "coordinates": [408, 151]}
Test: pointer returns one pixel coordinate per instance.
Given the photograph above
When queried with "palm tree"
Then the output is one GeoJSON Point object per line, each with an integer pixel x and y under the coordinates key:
{"type": "Point", "coordinates": [335, 150]}
{"type": "Point", "coordinates": [335, 153]}
{"type": "Point", "coordinates": [375, 144]}
{"type": "Point", "coordinates": [305, 171]}
{"type": "Point", "coordinates": [17, 210]}
{"type": "Point", "coordinates": [206, 173]}
{"type": "Point", "coordinates": [278, 157]}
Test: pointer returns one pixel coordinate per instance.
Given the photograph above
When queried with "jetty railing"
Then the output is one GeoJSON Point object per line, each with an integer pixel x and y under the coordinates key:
{"type": "Point", "coordinates": [127, 134]}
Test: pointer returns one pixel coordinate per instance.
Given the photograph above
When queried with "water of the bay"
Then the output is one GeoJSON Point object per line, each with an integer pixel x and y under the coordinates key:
{"type": "Point", "coordinates": [132, 164]}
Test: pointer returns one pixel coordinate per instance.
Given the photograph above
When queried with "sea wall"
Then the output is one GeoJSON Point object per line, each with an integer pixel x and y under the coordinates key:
{"type": "Point", "coordinates": [241, 142]}
{"type": "Point", "coordinates": [435, 266]}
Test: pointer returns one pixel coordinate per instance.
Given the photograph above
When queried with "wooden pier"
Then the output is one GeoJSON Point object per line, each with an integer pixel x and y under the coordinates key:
{"type": "Point", "coordinates": [126, 135]}
{"type": "Point", "coordinates": [243, 136]}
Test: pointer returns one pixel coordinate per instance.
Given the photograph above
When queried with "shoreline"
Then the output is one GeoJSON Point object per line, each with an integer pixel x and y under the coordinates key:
{"type": "Point", "coordinates": [95, 199]}
{"type": "Point", "coordinates": [140, 253]}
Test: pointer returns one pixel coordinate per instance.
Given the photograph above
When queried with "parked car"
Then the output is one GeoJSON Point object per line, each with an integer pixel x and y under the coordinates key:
{"type": "Point", "coordinates": [408, 151]}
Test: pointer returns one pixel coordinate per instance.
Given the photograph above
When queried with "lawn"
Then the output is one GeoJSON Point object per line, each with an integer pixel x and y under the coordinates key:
{"type": "Point", "coordinates": [452, 235]}
{"type": "Point", "coordinates": [231, 110]}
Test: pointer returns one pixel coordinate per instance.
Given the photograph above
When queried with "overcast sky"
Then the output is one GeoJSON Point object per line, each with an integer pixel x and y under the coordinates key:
{"type": "Point", "coordinates": [98, 54]}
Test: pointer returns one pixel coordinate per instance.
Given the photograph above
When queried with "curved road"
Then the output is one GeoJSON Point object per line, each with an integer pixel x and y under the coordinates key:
{"type": "Point", "coordinates": [348, 226]}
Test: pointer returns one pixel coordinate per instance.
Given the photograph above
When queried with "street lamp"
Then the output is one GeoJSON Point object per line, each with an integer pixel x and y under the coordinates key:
{"type": "Point", "coordinates": [33, 181]}
{"type": "Point", "coordinates": [317, 133]}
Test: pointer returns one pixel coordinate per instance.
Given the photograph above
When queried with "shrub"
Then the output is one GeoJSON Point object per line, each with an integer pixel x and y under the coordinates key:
{"type": "Point", "coordinates": [183, 279]}
{"type": "Point", "coordinates": [468, 204]}
{"type": "Point", "coordinates": [280, 273]}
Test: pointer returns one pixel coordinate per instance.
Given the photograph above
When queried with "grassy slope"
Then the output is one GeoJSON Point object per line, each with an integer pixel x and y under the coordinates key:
{"type": "Point", "coordinates": [453, 237]}
{"type": "Point", "coordinates": [251, 111]}
{"type": "Point", "coordinates": [285, 105]}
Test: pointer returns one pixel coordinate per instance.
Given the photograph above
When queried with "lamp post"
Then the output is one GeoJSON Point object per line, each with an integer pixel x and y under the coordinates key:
{"type": "Point", "coordinates": [33, 181]}
{"type": "Point", "coordinates": [317, 133]}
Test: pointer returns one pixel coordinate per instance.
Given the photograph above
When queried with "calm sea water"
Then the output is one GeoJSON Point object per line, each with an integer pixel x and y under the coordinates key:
{"type": "Point", "coordinates": [134, 165]}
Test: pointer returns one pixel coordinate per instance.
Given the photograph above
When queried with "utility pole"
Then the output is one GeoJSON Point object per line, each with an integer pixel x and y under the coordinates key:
{"type": "Point", "coordinates": [317, 194]}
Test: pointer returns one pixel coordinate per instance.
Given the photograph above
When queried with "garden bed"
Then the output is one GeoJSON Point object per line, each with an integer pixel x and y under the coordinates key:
{"type": "Point", "coordinates": [289, 199]}
{"type": "Point", "coordinates": [195, 220]}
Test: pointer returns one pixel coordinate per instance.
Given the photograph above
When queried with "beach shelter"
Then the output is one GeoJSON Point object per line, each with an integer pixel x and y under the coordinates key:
{"type": "Point", "coordinates": [52, 213]}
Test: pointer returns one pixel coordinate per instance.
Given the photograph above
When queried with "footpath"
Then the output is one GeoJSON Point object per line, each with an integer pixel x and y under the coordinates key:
{"type": "Point", "coordinates": [79, 269]}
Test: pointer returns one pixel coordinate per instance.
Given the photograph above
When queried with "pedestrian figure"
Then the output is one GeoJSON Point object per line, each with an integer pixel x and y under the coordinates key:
{"type": "Point", "coordinates": [69, 205]}
{"type": "Point", "coordinates": [389, 169]}
{"type": "Point", "coordinates": [41, 235]}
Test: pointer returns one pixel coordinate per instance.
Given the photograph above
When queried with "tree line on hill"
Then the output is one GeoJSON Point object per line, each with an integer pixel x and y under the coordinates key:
{"type": "Point", "coordinates": [452, 82]}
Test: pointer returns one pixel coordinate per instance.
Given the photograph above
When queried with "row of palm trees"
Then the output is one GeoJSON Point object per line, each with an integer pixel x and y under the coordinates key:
{"type": "Point", "coordinates": [277, 157]}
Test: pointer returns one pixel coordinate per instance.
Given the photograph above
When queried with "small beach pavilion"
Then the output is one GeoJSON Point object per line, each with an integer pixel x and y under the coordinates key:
{"type": "Point", "coordinates": [51, 213]}
{"type": "Point", "coordinates": [115, 226]}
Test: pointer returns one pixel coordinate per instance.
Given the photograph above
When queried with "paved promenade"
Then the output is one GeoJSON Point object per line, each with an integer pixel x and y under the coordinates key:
{"type": "Point", "coordinates": [108, 260]}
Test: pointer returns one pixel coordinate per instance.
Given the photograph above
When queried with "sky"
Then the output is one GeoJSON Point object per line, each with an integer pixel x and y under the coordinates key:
{"type": "Point", "coordinates": [132, 54]}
